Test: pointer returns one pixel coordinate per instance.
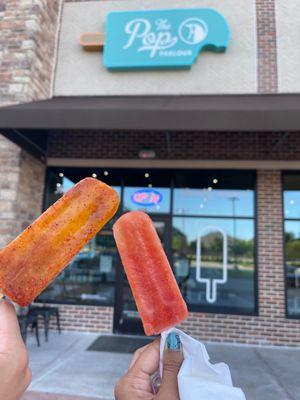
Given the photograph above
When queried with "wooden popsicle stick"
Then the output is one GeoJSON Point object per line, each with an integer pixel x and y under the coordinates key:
{"type": "Point", "coordinates": [92, 41]}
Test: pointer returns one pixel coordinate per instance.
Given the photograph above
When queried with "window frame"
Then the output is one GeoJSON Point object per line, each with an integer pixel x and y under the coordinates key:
{"type": "Point", "coordinates": [217, 309]}
{"type": "Point", "coordinates": [284, 219]}
{"type": "Point", "coordinates": [230, 310]}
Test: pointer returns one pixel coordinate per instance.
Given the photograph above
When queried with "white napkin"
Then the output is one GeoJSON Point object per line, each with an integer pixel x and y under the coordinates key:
{"type": "Point", "coordinates": [198, 378]}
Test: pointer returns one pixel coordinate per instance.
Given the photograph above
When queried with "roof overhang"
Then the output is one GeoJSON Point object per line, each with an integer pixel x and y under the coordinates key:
{"type": "Point", "coordinates": [278, 112]}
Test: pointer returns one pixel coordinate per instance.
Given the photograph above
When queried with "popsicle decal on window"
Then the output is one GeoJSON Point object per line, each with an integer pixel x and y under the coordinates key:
{"type": "Point", "coordinates": [211, 283]}
{"type": "Point", "coordinates": [160, 39]}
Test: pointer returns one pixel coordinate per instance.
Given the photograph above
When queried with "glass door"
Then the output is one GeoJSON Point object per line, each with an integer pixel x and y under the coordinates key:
{"type": "Point", "coordinates": [126, 317]}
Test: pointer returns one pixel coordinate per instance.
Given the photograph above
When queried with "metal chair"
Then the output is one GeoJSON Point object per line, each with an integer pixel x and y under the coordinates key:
{"type": "Point", "coordinates": [29, 321]}
{"type": "Point", "coordinates": [46, 313]}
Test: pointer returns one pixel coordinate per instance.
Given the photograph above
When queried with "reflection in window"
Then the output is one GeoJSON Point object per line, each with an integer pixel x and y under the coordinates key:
{"type": "Point", "coordinates": [209, 200]}
{"type": "Point", "coordinates": [291, 184]}
{"type": "Point", "coordinates": [234, 286]}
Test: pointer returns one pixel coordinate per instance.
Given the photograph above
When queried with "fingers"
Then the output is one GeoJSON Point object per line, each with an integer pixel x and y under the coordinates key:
{"type": "Point", "coordinates": [15, 375]}
{"type": "Point", "coordinates": [173, 358]}
{"type": "Point", "coordinates": [9, 327]}
{"type": "Point", "coordinates": [146, 359]}
{"type": "Point", "coordinates": [11, 342]}
{"type": "Point", "coordinates": [136, 382]}
{"type": "Point", "coordinates": [136, 354]}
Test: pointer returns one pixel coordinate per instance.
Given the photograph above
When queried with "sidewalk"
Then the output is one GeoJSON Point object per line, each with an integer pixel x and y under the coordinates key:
{"type": "Point", "coordinates": [64, 370]}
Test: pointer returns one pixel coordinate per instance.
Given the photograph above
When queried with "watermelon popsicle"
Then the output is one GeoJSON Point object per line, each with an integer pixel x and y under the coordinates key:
{"type": "Point", "coordinates": [30, 262]}
{"type": "Point", "coordinates": [150, 276]}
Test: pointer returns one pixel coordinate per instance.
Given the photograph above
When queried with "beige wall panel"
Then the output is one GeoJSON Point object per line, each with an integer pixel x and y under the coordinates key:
{"type": "Point", "coordinates": [80, 73]}
{"type": "Point", "coordinates": [288, 45]}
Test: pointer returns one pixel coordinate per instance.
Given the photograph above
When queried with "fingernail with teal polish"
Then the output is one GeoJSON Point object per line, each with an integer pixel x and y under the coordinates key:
{"type": "Point", "coordinates": [173, 342]}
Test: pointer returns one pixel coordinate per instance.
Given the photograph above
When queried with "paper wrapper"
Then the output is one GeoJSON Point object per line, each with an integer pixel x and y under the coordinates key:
{"type": "Point", "coordinates": [198, 378]}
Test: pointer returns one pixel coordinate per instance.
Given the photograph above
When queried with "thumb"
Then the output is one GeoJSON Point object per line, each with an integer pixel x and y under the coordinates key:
{"type": "Point", "coordinates": [173, 358]}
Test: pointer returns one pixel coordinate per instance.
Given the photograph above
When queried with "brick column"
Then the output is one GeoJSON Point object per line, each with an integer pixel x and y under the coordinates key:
{"type": "Point", "coordinates": [266, 47]}
{"type": "Point", "coordinates": [27, 44]}
{"type": "Point", "coordinates": [21, 190]}
{"type": "Point", "coordinates": [9, 177]}
{"type": "Point", "coordinates": [270, 245]}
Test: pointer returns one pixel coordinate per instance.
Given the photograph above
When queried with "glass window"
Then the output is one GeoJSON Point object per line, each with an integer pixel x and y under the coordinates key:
{"type": "Point", "coordinates": [214, 262]}
{"type": "Point", "coordinates": [212, 201]}
{"type": "Point", "coordinates": [291, 185]}
{"type": "Point", "coordinates": [213, 239]}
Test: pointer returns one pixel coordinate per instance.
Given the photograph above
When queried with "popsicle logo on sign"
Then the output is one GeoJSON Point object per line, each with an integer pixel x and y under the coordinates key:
{"type": "Point", "coordinates": [211, 283]}
{"type": "Point", "coordinates": [146, 197]}
{"type": "Point", "coordinates": [157, 39]}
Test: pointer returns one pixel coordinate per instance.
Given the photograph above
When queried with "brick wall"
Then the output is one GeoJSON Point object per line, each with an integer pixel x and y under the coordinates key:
{"type": "Point", "coordinates": [182, 145]}
{"type": "Point", "coordinates": [21, 190]}
{"type": "Point", "coordinates": [267, 79]}
{"type": "Point", "coordinates": [84, 318]}
{"type": "Point", "coordinates": [30, 190]}
{"type": "Point", "coordinates": [27, 43]}
{"type": "Point", "coordinates": [9, 178]}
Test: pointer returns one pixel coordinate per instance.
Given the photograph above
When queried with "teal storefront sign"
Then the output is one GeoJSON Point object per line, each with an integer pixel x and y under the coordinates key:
{"type": "Point", "coordinates": [162, 39]}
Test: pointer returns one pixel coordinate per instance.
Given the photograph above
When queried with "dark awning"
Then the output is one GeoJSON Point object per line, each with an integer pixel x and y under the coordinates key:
{"type": "Point", "coordinates": [197, 113]}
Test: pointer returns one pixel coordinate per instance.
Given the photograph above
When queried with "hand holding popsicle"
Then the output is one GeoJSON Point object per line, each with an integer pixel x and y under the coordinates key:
{"type": "Point", "coordinates": [34, 259]}
{"type": "Point", "coordinates": [15, 374]}
{"type": "Point", "coordinates": [137, 383]}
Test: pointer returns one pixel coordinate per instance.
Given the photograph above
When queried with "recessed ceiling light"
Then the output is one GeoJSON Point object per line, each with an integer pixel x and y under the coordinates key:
{"type": "Point", "coordinates": [61, 175]}
{"type": "Point", "coordinates": [105, 173]}
{"type": "Point", "coordinates": [94, 175]}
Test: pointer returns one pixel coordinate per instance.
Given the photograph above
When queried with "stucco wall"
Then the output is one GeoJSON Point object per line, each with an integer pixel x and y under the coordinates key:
{"type": "Point", "coordinates": [82, 73]}
{"type": "Point", "coordinates": [288, 48]}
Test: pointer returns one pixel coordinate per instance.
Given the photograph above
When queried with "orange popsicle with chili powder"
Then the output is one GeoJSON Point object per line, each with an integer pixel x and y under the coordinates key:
{"type": "Point", "coordinates": [149, 274]}
{"type": "Point", "coordinates": [30, 262]}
